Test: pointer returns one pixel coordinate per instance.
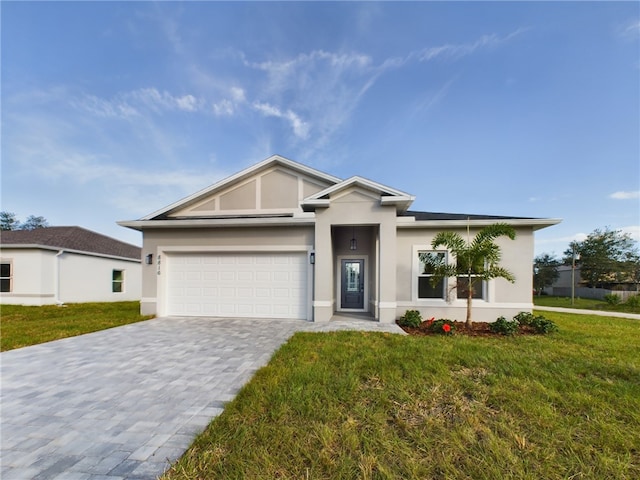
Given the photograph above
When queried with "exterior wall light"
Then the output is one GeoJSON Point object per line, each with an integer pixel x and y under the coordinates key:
{"type": "Point", "coordinates": [149, 259]}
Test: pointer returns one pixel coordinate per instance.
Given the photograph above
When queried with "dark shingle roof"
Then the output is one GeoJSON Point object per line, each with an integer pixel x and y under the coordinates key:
{"type": "Point", "coordinates": [456, 216]}
{"type": "Point", "coordinates": [71, 238]}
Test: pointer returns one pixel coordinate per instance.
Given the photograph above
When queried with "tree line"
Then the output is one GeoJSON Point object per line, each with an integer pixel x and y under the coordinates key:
{"type": "Point", "coordinates": [606, 257]}
{"type": "Point", "coordinates": [9, 221]}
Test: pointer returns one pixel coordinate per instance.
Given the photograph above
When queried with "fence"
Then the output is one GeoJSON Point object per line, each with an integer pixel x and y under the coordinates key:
{"type": "Point", "coordinates": [596, 293]}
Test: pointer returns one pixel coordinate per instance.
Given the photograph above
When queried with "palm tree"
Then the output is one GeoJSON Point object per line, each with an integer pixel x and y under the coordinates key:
{"type": "Point", "coordinates": [475, 260]}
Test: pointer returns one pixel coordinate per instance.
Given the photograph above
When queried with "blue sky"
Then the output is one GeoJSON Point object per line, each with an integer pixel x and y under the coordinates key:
{"type": "Point", "coordinates": [114, 110]}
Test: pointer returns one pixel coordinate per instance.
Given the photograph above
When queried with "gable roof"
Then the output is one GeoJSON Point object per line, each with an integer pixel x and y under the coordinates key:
{"type": "Point", "coordinates": [272, 161]}
{"type": "Point", "coordinates": [389, 196]}
{"type": "Point", "coordinates": [70, 238]}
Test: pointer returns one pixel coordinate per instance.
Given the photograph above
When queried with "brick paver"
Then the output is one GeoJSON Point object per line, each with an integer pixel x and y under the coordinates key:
{"type": "Point", "coordinates": [124, 403]}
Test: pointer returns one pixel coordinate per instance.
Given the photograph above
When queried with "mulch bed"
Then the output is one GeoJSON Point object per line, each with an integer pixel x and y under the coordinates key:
{"type": "Point", "coordinates": [478, 329]}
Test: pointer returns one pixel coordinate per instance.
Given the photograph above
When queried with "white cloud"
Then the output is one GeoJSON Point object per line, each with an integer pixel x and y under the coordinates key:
{"type": "Point", "coordinates": [633, 231]}
{"type": "Point", "coordinates": [229, 106]}
{"type": "Point", "coordinates": [134, 103]}
{"type": "Point", "coordinates": [455, 51]}
{"type": "Point", "coordinates": [224, 107]}
{"type": "Point", "coordinates": [104, 108]}
{"type": "Point", "coordinates": [157, 101]}
{"type": "Point", "coordinates": [630, 30]}
{"type": "Point", "coordinates": [625, 195]}
{"type": "Point", "coordinates": [300, 127]}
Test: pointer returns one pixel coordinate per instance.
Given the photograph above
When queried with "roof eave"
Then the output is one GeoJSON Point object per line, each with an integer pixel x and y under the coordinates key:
{"type": "Point", "coordinates": [141, 225]}
{"type": "Point", "coordinates": [536, 223]}
{"type": "Point", "coordinates": [35, 246]}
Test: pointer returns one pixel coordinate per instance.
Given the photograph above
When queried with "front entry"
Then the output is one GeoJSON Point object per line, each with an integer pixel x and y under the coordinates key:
{"type": "Point", "coordinates": [352, 284]}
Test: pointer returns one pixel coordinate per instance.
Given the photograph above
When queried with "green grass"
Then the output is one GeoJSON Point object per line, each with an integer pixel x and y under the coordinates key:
{"type": "Point", "coordinates": [583, 303]}
{"type": "Point", "coordinates": [382, 406]}
{"type": "Point", "coordinates": [23, 326]}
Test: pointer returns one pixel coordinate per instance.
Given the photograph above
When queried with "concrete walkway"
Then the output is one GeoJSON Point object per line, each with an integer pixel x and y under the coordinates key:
{"type": "Point", "coordinates": [634, 316]}
{"type": "Point", "coordinates": [124, 403]}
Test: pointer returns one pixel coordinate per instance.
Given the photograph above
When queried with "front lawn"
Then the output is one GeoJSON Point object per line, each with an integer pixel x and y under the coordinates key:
{"type": "Point", "coordinates": [586, 303]}
{"type": "Point", "coordinates": [370, 405]}
{"type": "Point", "coordinates": [23, 326]}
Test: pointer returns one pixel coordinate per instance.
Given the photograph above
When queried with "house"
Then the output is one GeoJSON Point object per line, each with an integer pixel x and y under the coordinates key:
{"type": "Point", "coordinates": [67, 265]}
{"type": "Point", "coordinates": [568, 275]}
{"type": "Point", "coordinates": [283, 240]}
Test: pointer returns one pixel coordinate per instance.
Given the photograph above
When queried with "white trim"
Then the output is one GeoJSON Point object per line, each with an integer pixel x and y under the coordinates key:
{"type": "Point", "coordinates": [537, 223]}
{"type": "Point", "coordinates": [365, 299]}
{"type": "Point", "coordinates": [395, 197]}
{"type": "Point", "coordinates": [148, 300]}
{"type": "Point", "coordinates": [322, 303]}
{"type": "Point", "coordinates": [232, 248]}
{"type": "Point", "coordinates": [35, 246]}
{"type": "Point", "coordinates": [274, 159]}
{"type": "Point", "coordinates": [296, 220]}
{"type": "Point", "coordinates": [415, 250]}
{"type": "Point", "coordinates": [387, 304]}
{"type": "Point", "coordinates": [463, 304]}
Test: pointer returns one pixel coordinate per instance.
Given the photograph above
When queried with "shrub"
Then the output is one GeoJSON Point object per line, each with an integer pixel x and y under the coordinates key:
{"type": "Point", "coordinates": [543, 325]}
{"type": "Point", "coordinates": [539, 324]}
{"type": "Point", "coordinates": [504, 326]}
{"type": "Point", "coordinates": [524, 318]}
{"type": "Point", "coordinates": [411, 318]}
{"type": "Point", "coordinates": [633, 301]}
{"type": "Point", "coordinates": [442, 326]}
{"type": "Point", "coordinates": [612, 299]}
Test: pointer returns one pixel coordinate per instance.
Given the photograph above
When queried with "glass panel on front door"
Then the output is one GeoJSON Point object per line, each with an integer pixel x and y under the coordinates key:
{"type": "Point", "coordinates": [353, 276]}
{"type": "Point", "coordinates": [352, 288]}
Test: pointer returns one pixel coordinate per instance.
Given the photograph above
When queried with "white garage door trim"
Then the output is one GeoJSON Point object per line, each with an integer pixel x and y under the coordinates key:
{"type": "Point", "coordinates": [245, 283]}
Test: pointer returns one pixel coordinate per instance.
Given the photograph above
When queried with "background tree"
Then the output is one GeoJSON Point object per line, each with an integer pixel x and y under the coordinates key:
{"type": "Point", "coordinates": [476, 260]}
{"type": "Point", "coordinates": [606, 256]}
{"type": "Point", "coordinates": [32, 222]}
{"type": "Point", "coordinates": [8, 221]}
{"type": "Point", "coordinates": [545, 269]}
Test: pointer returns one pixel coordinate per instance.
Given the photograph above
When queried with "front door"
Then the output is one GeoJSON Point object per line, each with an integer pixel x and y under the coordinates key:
{"type": "Point", "coordinates": [352, 284]}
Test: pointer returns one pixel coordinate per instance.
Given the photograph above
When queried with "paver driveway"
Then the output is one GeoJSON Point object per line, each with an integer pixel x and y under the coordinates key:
{"type": "Point", "coordinates": [123, 403]}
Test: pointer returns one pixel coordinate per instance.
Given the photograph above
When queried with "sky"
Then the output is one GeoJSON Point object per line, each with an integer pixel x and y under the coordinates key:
{"type": "Point", "coordinates": [113, 110]}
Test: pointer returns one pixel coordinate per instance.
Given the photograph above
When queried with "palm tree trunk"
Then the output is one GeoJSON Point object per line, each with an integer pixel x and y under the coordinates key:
{"type": "Point", "coordinates": [469, 300]}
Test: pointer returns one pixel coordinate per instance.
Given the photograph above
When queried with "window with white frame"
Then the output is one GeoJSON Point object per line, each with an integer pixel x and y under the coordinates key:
{"type": "Point", "coordinates": [117, 281]}
{"type": "Point", "coordinates": [426, 263]}
{"type": "Point", "coordinates": [6, 276]}
{"type": "Point", "coordinates": [462, 287]}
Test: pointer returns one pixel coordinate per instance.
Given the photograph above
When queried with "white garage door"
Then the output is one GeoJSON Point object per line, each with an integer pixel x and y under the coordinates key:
{"type": "Point", "coordinates": [256, 285]}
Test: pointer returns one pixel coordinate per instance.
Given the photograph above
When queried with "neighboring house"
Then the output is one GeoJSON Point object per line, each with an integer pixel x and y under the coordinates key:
{"type": "Point", "coordinates": [562, 286]}
{"type": "Point", "coordinates": [66, 265]}
{"type": "Point", "coordinates": [283, 240]}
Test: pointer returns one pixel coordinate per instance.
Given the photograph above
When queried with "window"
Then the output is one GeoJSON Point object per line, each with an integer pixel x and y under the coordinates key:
{"type": "Point", "coordinates": [426, 262]}
{"type": "Point", "coordinates": [5, 276]}
{"type": "Point", "coordinates": [462, 287]}
{"type": "Point", "coordinates": [117, 281]}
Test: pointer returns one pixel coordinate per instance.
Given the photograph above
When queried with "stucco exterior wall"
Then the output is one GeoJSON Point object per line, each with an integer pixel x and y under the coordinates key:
{"type": "Point", "coordinates": [356, 207]}
{"type": "Point", "coordinates": [159, 242]}
{"type": "Point", "coordinates": [89, 279]}
{"type": "Point", "coordinates": [33, 281]}
{"type": "Point", "coordinates": [501, 297]}
{"type": "Point", "coordinates": [42, 277]}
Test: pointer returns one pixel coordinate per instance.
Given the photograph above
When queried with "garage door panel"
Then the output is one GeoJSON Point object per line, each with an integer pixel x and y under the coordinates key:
{"type": "Point", "coordinates": [241, 285]}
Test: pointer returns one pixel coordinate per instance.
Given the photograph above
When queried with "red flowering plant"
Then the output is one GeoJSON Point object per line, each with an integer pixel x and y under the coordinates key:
{"type": "Point", "coordinates": [442, 326]}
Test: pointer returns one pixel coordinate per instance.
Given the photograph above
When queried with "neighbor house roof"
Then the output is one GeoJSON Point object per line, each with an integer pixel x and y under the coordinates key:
{"type": "Point", "coordinates": [69, 238]}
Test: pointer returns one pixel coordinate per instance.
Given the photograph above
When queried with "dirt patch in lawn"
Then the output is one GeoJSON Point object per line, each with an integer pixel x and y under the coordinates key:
{"type": "Point", "coordinates": [478, 329]}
